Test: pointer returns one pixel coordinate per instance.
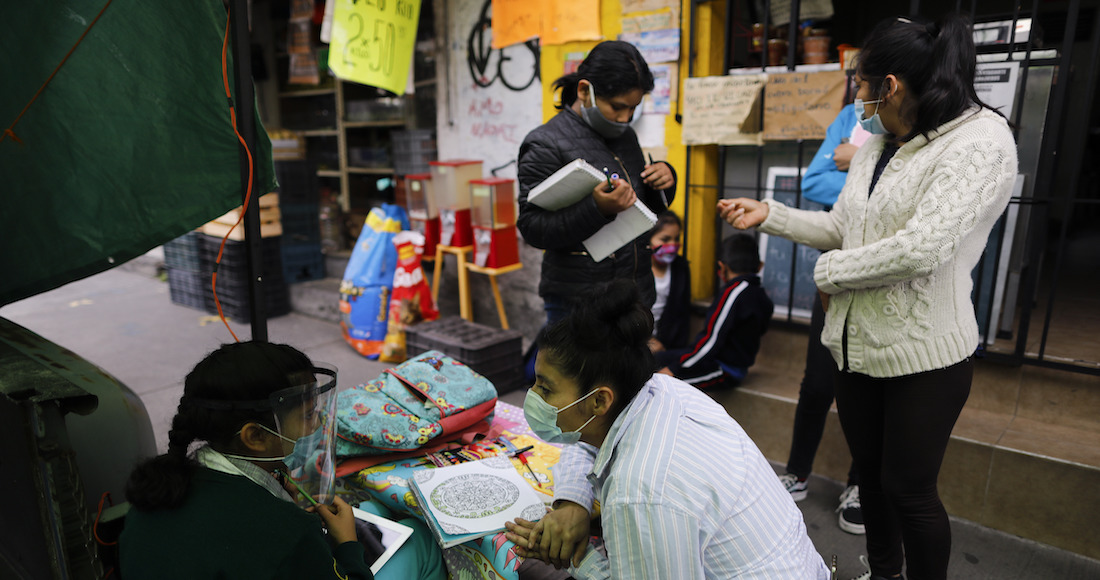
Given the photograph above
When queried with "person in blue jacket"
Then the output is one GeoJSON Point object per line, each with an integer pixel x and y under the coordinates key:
{"type": "Point", "coordinates": [822, 183]}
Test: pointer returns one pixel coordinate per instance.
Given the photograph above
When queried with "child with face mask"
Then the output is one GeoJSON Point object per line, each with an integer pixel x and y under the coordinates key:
{"type": "Point", "coordinates": [252, 434]}
{"type": "Point", "coordinates": [672, 281]}
{"type": "Point", "coordinates": [726, 347]}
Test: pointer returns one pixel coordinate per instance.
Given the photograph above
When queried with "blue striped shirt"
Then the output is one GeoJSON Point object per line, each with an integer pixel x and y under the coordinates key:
{"type": "Point", "coordinates": [685, 493]}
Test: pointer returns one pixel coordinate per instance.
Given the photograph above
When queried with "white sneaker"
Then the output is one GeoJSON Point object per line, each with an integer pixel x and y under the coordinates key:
{"type": "Point", "coordinates": [866, 575]}
{"type": "Point", "coordinates": [851, 512]}
{"type": "Point", "coordinates": [795, 487]}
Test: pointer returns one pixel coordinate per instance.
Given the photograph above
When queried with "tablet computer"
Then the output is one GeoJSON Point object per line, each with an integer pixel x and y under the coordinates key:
{"type": "Point", "coordinates": [393, 535]}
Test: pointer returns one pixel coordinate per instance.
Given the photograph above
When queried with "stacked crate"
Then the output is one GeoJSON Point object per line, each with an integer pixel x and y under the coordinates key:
{"type": "Point", "coordinates": [301, 220]}
{"type": "Point", "coordinates": [495, 353]}
{"type": "Point", "coordinates": [234, 282]}
{"type": "Point", "coordinates": [412, 150]}
{"type": "Point", "coordinates": [187, 272]}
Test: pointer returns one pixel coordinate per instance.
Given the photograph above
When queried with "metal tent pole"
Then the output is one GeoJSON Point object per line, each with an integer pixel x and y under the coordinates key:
{"type": "Point", "coordinates": [244, 104]}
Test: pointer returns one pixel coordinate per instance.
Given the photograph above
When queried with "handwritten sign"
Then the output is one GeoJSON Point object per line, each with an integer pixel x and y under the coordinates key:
{"type": "Point", "coordinates": [569, 20]}
{"type": "Point", "coordinates": [372, 42]}
{"type": "Point", "coordinates": [723, 110]}
{"type": "Point", "coordinates": [656, 20]}
{"type": "Point", "coordinates": [640, 5]}
{"type": "Point", "coordinates": [656, 45]}
{"type": "Point", "coordinates": [665, 77]}
{"type": "Point", "coordinates": [516, 21]}
{"type": "Point", "coordinates": [802, 105]}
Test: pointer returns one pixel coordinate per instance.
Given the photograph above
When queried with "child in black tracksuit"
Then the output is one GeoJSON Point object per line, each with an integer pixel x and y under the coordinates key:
{"type": "Point", "coordinates": [726, 347]}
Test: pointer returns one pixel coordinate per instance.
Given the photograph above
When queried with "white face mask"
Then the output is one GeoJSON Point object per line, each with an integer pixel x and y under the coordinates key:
{"type": "Point", "coordinates": [280, 436]}
{"type": "Point", "coordinates": [542, 417]}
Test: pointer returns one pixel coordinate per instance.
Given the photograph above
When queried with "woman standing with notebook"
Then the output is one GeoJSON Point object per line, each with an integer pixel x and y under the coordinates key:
{"type": "Point", "coordinates": [597, 103]}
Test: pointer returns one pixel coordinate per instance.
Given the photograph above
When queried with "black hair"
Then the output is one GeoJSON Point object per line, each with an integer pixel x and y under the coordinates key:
{"type": "Point", "coordinates": [741, 254]}
{"type": "Point", "coordinates": [604, 341]}
{"type": "Point", "coordinates": [936, 61]}
{"type": "Point", "coordinates": [666, 218]}
{"type": "Point", "coordinates": [613, 67]}
{"type": "Point", "coordinates": [238, 372]}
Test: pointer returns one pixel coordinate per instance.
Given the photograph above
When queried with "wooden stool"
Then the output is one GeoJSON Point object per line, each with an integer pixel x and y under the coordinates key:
{"type": "Point", "coordinates": [493, 273]}
{"type": "Point", "coordinates": [465, 306]}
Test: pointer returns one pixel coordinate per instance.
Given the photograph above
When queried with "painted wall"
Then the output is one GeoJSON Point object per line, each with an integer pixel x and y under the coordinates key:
{"type": "Point", "coordinates": [489, 100]}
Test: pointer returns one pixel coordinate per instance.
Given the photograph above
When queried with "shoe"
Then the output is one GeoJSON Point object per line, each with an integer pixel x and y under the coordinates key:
{"type": "Point", "coordinates": [866, 575]}
{"type": "Point", "coordinates": [869, 576]}
{"type": "Point", "coordinates": [796, 487]}
{"type": "Point", "coordinates": [851, 512]}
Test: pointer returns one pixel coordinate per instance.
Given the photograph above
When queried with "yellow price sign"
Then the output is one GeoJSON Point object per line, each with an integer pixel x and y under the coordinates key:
{"type": "Point", "coordinates": [373, 41]}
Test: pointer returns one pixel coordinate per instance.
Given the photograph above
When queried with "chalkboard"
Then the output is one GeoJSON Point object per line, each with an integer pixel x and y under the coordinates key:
{"type": "Point", "coordinates": [779, 254]}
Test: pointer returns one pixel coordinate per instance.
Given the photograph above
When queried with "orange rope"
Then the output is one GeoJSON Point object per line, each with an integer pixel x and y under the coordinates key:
{"type": "Point", "coordinates": [9, 132]}
{"type": "Point", "coordinates": [248, 191]}
{"type": "Point", "coordinates": [99, 513]}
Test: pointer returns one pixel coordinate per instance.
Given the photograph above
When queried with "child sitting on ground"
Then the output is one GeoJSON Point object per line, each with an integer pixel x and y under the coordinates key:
{"type": "Point", "coordinates": [726, 347]}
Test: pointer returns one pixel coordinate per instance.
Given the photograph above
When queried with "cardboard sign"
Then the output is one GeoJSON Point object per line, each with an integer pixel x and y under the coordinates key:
{"type": "Point", "coordinates": [373, 40]}
{"type": "Point", "coordinates": [723, 110]}
{"type": "Point", "coordinates": [801, 105]}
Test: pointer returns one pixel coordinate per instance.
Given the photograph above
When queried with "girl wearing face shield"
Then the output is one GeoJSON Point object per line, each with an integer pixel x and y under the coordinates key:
{"type": "Point", "coordinates": [597, 104]}
{"type": "Point", "coordinates": [683, 491]}
{"type": "Point", "coordinates": [253, 434]}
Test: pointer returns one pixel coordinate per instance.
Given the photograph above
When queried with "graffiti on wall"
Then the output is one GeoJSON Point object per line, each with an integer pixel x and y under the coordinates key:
{"type": "Point", "coordinates": [516, 66]}
{"type": "Point", "coordinates": [489, 121]}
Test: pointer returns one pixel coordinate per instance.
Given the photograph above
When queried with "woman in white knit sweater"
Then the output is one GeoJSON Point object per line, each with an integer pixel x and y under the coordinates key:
{"type": "Point", "coordinates": [900, 244]}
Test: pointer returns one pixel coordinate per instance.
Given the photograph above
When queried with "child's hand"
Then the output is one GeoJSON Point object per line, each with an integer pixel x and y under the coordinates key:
{"type": "Point", "coordinates": [338, 518]}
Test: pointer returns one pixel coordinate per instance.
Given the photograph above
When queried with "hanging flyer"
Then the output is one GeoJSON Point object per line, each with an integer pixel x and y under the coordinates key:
{"type": "Point", "coordinates": [373, 42]}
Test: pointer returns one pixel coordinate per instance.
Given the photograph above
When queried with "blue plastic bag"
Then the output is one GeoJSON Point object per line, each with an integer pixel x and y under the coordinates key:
{"type": "Point", "coordinates": [368, 280]}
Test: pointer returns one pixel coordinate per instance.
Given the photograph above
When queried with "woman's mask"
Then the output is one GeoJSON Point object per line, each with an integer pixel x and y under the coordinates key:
{"type": "Point", "coordinates": [594, 117]}
{"type": "Point", "coordinates": [542, 417]}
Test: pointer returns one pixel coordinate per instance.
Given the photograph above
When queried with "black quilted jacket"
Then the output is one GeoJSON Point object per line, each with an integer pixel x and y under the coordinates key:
{"type": "Point", "coordinates": [567, 271]}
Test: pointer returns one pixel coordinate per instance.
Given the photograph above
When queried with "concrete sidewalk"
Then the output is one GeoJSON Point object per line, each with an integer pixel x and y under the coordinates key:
{"type": "Point", "coordinates": [124, 322]}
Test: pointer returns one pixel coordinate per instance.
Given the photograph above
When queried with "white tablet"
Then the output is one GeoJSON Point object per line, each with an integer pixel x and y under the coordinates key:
{"type": "Point", "coordinates": [393, 535]}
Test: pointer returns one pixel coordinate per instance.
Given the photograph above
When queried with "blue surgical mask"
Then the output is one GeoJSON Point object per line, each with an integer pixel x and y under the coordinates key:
{"type": "Point", "coordinates": [542, 417]}
{"type": "Point", "coordinates": [606, 127]}
{"type": "Point", "coordinates": [873, 125]}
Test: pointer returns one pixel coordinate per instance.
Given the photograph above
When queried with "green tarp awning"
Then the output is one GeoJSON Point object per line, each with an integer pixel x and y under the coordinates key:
{"type": "Point", "coordinates": [128, 147]}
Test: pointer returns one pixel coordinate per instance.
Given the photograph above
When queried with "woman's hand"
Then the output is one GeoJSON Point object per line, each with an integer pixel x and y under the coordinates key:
{"type": "Point", "coordinates": [612, 202]}
{"type": "Point", "coordinates": [742, 212]}
{"type": "Point", "coordinates": [559, 538]}
{"type": "Point", "coordinates": [843, 154]}
{"type": "Point", "coordinates": [655, 345]}
{"type": "Point", "coordinates": [658, 175]}
{"type": "Point", "coordinates": [339, 520]}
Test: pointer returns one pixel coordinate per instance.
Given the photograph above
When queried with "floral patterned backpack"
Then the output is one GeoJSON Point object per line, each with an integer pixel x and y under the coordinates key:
{"type": "Point", "coordinates": [429, 398]}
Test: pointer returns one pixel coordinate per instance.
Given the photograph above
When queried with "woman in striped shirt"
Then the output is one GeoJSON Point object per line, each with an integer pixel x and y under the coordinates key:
{"type": "Point", "coordinates": [683, 491]}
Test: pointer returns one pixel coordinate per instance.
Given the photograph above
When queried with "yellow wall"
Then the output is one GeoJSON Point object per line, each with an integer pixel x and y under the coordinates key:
{"type": "Point", "coordinates": [700, 229]}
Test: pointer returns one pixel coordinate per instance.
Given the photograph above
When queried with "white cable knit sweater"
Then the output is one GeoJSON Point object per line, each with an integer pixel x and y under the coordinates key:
{"type": "Point", "coordinates": [898, 264]}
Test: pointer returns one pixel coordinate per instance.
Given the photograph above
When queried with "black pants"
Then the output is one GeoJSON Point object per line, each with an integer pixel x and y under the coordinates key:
{"type": "Point", "coordinates": [897, 430]}
{"type": "Point", "coordinates": [814, 399]}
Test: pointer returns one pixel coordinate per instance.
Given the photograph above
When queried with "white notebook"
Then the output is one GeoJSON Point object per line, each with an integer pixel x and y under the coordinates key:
{"type": "Point", "coordinates": [566, 186]}
{"type": "Point", "coordinates": [474, 499]}
{"type": "Point", "coordinates": [572, 183]}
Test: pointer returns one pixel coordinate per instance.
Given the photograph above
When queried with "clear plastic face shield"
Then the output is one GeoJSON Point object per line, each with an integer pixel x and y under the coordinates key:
{"type": "Point", "coordinates": [305, 417]}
